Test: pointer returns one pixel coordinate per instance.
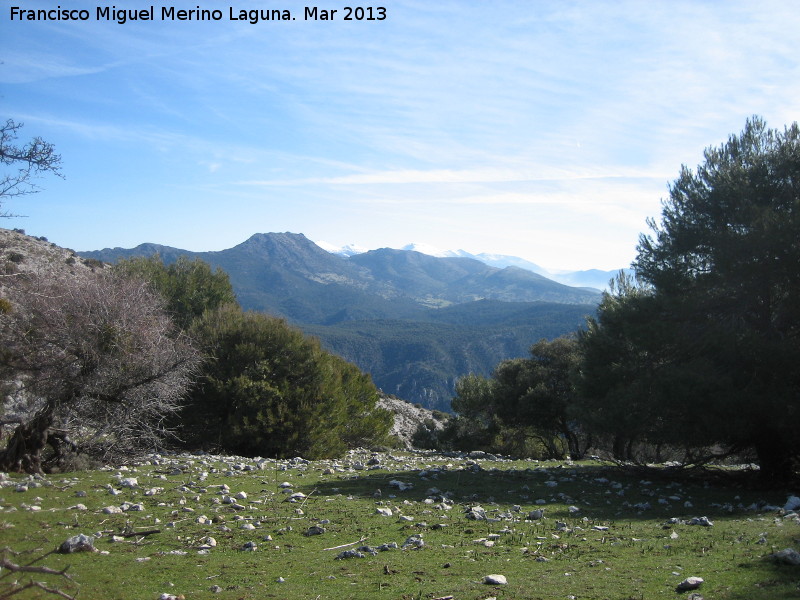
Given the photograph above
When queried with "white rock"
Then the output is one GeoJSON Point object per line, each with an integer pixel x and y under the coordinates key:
{"type": "Point", "coordinates": [77, 543]}
{"type": "Point", "coordinates": [690, 583]}
{"type": "Point", "coordinates": [384, 511]}
{"type": "Point", "coordinates": [495, 580]}
{"type": "Point", "coordinates": [414, 542]}
{"type": "Point", "coordinates": [314, 530]}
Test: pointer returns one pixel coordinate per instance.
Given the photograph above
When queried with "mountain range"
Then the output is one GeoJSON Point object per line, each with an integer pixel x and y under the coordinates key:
{"type": "Point", "coordinates": [594, 278]}
{"type": "Point", "coordinates": [415, 322]}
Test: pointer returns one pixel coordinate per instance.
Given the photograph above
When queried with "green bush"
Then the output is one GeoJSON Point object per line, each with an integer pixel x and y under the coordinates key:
{"type": "Point", "coordinates": [267, 390]}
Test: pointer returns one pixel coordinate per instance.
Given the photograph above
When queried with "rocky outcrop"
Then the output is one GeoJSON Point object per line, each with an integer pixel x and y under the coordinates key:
{"type": "Point", "coordinates": [408, 417]}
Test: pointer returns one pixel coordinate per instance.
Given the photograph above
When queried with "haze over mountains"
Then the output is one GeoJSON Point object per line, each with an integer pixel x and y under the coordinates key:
{"type": "Point", "coordinates": [415, 322]}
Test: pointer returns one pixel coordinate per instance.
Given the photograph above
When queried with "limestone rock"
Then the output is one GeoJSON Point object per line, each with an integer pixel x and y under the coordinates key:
{"type": "Point", "coordinates": [77, 543]}
{"type": "Point", "coordinates": [690, 583]}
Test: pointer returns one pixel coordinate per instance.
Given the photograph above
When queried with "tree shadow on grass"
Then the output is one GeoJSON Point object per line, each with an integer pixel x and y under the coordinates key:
{"type": "Point", "coordinates": [600, 492]}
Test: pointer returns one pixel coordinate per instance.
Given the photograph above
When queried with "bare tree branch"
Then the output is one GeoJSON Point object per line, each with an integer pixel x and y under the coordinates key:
{"type": "Point", "coordinates": [25, 163]}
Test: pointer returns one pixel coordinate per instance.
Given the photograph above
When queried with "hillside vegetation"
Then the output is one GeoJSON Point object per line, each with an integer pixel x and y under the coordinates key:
{"type": "Point", "coordinates": [99, 363]}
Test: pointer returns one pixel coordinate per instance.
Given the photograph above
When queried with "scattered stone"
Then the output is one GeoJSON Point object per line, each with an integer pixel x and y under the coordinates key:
{"type": "Point", "coordinates": [702, 521]}
{"type": "Point", "coordinates": [413, 542]}
{"type": "Point", "coordinates": [314, 530]}
{"type": "Point", "coordinates": [345, 554]}
{"type": "Point", "coordinates": [495, 580]}
{"type": "Point", "coordinates": [250, 547]}
{"type": "Point", "coordinates": [389, 546]}
{"type": "Point", "coordinates": [690, 583]}
{"type": "Point", "coordinates": [537, 514]}
{"type": "Point", "coordinates": [401, 486]}
{"type": "Point", "coordinates": [476, 513]}
{"type": "Point", "coordinates": [789, 556]}
{"type": "Point", "coordinates": [77, 543]}
{"type": "Point", "coordinates": [384, 511]}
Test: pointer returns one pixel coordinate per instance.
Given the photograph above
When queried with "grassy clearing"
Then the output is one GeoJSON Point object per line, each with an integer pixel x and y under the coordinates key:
{"type": "Point", "coordinates": [615, 546]}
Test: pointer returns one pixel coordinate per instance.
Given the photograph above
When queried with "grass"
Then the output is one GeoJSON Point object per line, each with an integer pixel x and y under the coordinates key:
{"type": "Point", "coordinates": [638, 556]}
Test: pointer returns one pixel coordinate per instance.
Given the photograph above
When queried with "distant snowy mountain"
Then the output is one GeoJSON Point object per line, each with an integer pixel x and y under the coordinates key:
{"type": "Point", "coordinates": [434, 251]}
{"type": "Point", "coordinates": [346, 251]}
{"type": "Point", "coordinates": [592, 278]}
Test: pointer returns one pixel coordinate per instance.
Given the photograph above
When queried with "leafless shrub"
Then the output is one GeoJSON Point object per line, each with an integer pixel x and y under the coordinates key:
{"type": "Point", "coordinates": [98, 363]}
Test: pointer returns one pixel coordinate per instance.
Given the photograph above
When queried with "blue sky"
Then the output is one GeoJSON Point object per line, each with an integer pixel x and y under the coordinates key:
{"type": "Point", "coordinates": [545, 129]}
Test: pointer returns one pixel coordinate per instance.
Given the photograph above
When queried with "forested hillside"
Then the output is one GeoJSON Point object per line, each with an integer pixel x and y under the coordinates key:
{"type": "Point", "coordinates": [420, 359]}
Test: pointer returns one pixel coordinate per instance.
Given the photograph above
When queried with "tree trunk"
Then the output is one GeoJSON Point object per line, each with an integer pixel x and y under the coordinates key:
{"type": "Point", "coordinates": [618, 447]}
{"type": "Point", "coordinates": [23, 453]}
{"type": "Point", "coordinates": [776, 460]}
